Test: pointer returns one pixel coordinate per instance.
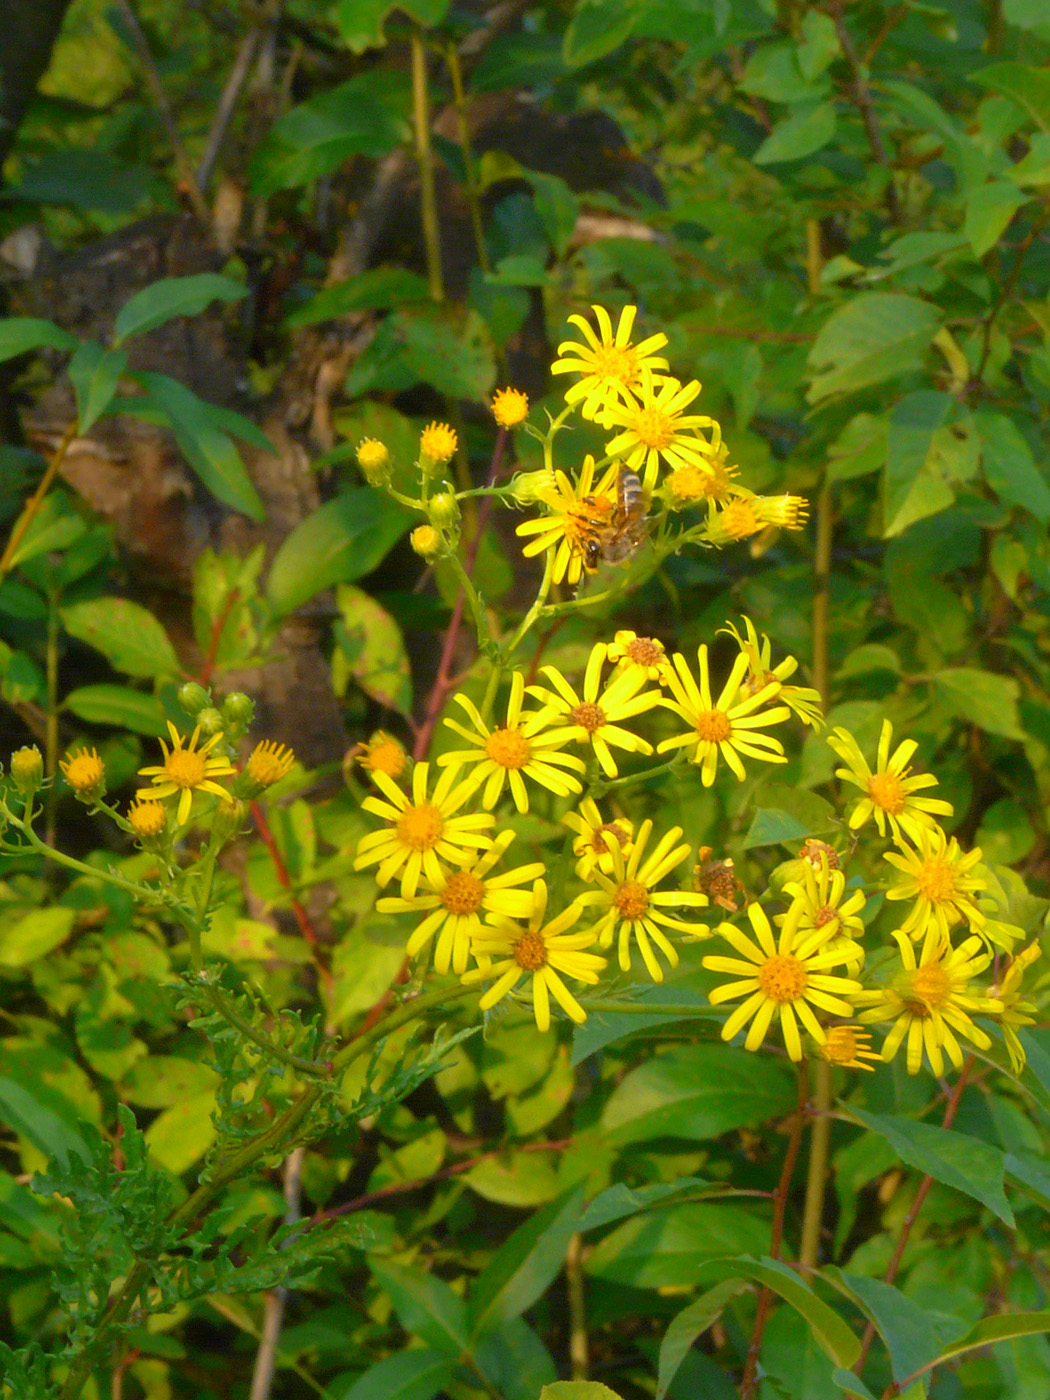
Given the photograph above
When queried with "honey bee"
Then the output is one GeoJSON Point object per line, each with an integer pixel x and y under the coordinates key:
{"type": "Point", "coordinates": [613, 536]}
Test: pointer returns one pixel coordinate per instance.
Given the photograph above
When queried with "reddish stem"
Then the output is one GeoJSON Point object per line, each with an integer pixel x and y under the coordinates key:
{"type": "Point", "coordinates": [306, 928]}
{"type": "Point", "coordinates": [232, 598]}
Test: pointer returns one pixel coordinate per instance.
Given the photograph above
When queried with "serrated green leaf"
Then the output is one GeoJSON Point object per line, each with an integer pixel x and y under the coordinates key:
{"type": "Point", "coordinates": [1009, 466]}
{"type": "Point", "coordinates": [667, 1248]}
{"type": "Point", "coordinates": [989, 209]}
{"type": "Point", "coordinates": [426, 1306]}
{"type": "Point", "coordinates": [127, 635]}
{"type": "Point", "coordinates": [55, 1136]}
{"type": "Point", "coordinates": [372, 651]}
{"type": "Point", "coordinates": [982, 697]}
{"type": "Point", "coordinates": [162, 301]}
{"type": "Point", "coordinates": [913, 488]}
{"type": "Point", "coordinates": [1029, 87]}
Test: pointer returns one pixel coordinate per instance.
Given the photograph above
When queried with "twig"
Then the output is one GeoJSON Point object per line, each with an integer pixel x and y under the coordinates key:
{"type": "Point", "coordinates": [865, 104]}
{"type": "Point", "coordinates": [35, 501]}
{"type": "Point", "coordinates": [1005, 292]}
{"type": "Point", "coordinates": [306, 928]}
{"type": "Point", "coordinates": [187, 179]}
{"type": "Point", "coordinates": [215, 636]}
{"type": "Point", "coordinates": [242, 65]}
{"type": "Point", "coordinates": [274, 1302]}
{"type": "Point", "coordinates": [889, 25]}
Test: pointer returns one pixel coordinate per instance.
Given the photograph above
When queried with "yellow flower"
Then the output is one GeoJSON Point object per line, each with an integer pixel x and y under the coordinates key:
{"type": "Point", "coordinates": [725, 727]}
{"type": "Point", "coordinates": [572, 511]}
{"type": "Point", "coordinates": [147, 818]}
{"type": "Point", "coordinates": [269, 763]}
{"type": "Point", "coordinates": [848, 1047]}
{"type": "Point", "coordinates": [654, 424]}
{"type": "Point", "coordinates": [782, 977]}
{"type": "Point", "coordinates": [784, 512]}
{"type": "Point", "coordinates": [383, 754]}
{"type": "Point", "coordinates": [438, 443]}
{"type": "Point", "coordinates": [632, 905]}
{"type": "Point", "coordinates": [801, 700]}
{"type": "Point", "coordinates": [738, 521]}
{"type": "Point", "coordinates": [628, 649]}
{"type": "Point", "coordinates": [374, 460]}
{"type": "Point", "coordinates": [517, 750]}
{"type": "Point", "coordinates": [610, 365]}
{"type": "Point", "coordinates": [453, 905]}
{"type": "Point", "coordinates": [595, 837]}
{"type": "Point", "coordinates": [510, 407]}
{"type": "Point", "coordinates": [85, 773]}
{"type": "Point", "coordinates": [593, 717]}
{"type": "Point", "coordinates": [1016, 1012]}
{"type": "Point", "coordinates": [889, 793]}
{"type": "Point", "coordinates": [937, 876]}
{"type": "Point", "coordinates": [542, 951]}
{"type": "Point", "coordinates": [822, 908]}
{"type": "Point", "coordinates": [421, 831]}
{"type": "Point", "coordinates": [929, 1002]}
{"type": "Point", "coordinates": [186, 771]}
{"type": "Point", "coordinates": [426, 541]}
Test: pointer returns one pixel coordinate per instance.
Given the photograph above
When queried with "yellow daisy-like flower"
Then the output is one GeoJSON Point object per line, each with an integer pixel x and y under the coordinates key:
{"type": "Point", "coordinates": [632, 906]}
{"type": "Point", "coordinates": [937, 876]}
{"type": "Point", "coordinates": [438, 443]}
{"type": "Point", "coordinates": [784, 512]}
{"type": "Point", "coordinates": [654, 425]}
{"type": "Point", "coordinates": [609, 366]}
{"type": "Point", "coordinates": [822, 909]}
{"type": "Point", "coordinates": [186, 771]}
{"type": "Point", "coordinates": [422, 832]}
{"type": "Point", "coordinates": [573, 512]}
{"type": "Point", "coordinates": [801, 700]}
{"type": "Point", "coordinates": [688, 486]}
{"type": "Point", "coordinates": [269, 763]}
{"type": "Point", "coordinates": [453, 905]}
{"type": "Point", "coordinates": [785, 977]}
{"type": "Point", "coordinates": [510, 407]}
{"type": "Point", "coordinates": [628, 649]}
{"type": "Point", "coordinates": [727, 726]}
{"type": "Point", "coordinates": [889, 792]}
{"type": "Point", "coordinates": [85, 773]}
{"type": "Point", "coordinates": [382, 754]}
{"type": "Point", "coordinates": [509, 952]}
{"type": "Point", "coordinates": [595, 838]}
{"type": "Point", "coordinates": [517, 750]}
{"type": "Point", "coordinates": [848, 1047]}
{"type": "Point", "coordinates": [1016, 1012]}
{"type": "Point", "coordinates": [735, 522]}
{"type": "Point", "coordinates": [147, 818]}
{"type": "Point", "coordinates": [594, 717]}
{"type": "Point", "coordinates": [929, 1001]}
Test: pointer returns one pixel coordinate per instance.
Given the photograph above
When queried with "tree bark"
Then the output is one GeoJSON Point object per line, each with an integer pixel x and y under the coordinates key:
{"type": "Point", "coordinates": [30, 30]}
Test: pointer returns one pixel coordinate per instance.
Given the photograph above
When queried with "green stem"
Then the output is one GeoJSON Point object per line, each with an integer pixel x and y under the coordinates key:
{"type": "Point", "coordinates": [648, 1008]}
{"type": "Point", "coordinates": [51, 733]}
{"type": "Point", "coordinates": [534, 612]}
{"type": "Point", "coordinates": [268, 1047]}
{"type": "Point", "coordinates": [477, 607]}
{"type": "Point", "coordinates": [599, 789]}
{"type": "Point", "coordinates": [425, 158]}
{"type": "Point", "coordinates": [143, 892]}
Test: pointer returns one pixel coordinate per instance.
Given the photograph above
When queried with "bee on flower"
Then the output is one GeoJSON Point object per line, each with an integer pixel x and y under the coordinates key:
{"type": "Point", "coordinates": [569, 523]}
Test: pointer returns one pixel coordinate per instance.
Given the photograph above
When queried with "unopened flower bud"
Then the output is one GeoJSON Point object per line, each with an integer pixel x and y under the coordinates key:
{"type": "Point", "coordinates": [193, 697]}
{"type": "Point", "coordinates": [426, 541]}
{"type": "Point", "coordinates": [228, 819]}
{"type": "Point", "coordinates": [210, 721]}
{"type": "Point", "coordinates": [86, 775]}
{"type": "Point", "coordinates": [529, 487]}
{"type": "Point", "coordinates": [147, 819]}
{"type": "Point", "coordinates": [27, 769]}
{"type": "Point", "coordinates": [443, 510]}
{"type": "Point", "coordinates": [374, 460]}
{"type": "Point", "coordinates": [437, 445]}
{"type": "Point", "coordinates": [238, 711]}
{"type": "Point", "coordinates": [510, 407]}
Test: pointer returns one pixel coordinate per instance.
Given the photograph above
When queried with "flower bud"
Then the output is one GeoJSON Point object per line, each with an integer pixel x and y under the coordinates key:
{"type": "Point", "coordinates": [510, 407]}
{"type": "Point", "coordinates": [426, 541]}
{"type": "Point", "coordinates": [443, 510]}
{"type": "Point", "coordinates": [238, 711]}
{"type": "Point", "coordinates": [529, 487]}
{"type": "Point", "coordinates": [210, 721]}
{"type": "Point", "coordinates": [27, 769]}
{"type": "Point", "coordinates": [228, 819]}
{"type": "Point", "coordinates": [437, 445]}
{"type": "Point", "coordinates": [148, 820]}
{"type": "Point", "coordinates": [86, 775]}
{"type": "Point", "coordinates": [374, 460]}
{"type": "Point", "coordinates": [193, 697]}
{"type": "Point", "coordinates": [268, 764]}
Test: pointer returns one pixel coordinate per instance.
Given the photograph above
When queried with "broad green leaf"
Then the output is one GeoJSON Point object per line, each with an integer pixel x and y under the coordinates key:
{"type": "Point", "coordinates": [516, 1178]}
{"type": "Point", "coordinates": [913, 489]}
{"type": "Point", "coordinates": [851, 1384]}
{"type": "Point", "coordinates": [343, 540]}
{"type": "Point", "coordinates": [55, 526]}
{"type": "Point", "coordinates": [524, 1267]}
{"type": "Point", "coordinates": [989, 209]}
{"type": "Point", "coordinates": [378, 289]}
{"type": "Point", "coordinates": [874, 337]}
{"type": "Point", "coordinates": [1028, 14]}
{"type": "Point", "coordinates": [681, 991]}
{"type": "Point", "coordinates": [619, 1201]}
{"type": "Point", "coordinates": [984, 698]}
{"type": "Point", "coordinates": [820, 43]}
{"type": "Point", "coordinates": [199, 430]}
{"type": "Point", "coordinates": [1029, 87]}
{"type": "Point", "coordinates": [696, 1092]}
{"type": "Point", "coordinates": [362, 969]}
{"type": "Point", "coordinates": [1003, 1327]}
{"type": "Point", "coordinates": [597, 28]}
{"type": "Point", "coordinates": [788, 815]}
{"type": "Point", "coordinates": [426, 1306]}
{"type": "Point", "coordinates": [127, 635]}
{"type": "Point", "coordinates": [1009, 467]}
{"type": "Point", "coordinates": [666, 1248]}
{"type": "Point", "coordinates": [118, 705]}
{"type": "Point", "coordinates": [688, 1325]}
{"type": "Point", "coordinates": [514, 1361]}
{"type": "Point", "coordinates": [86, 178]}
{"type": "Point", "coordinates": [180, 1135]}
{"type": "Point", "coordinates": [95, 374]}
{"type": "Point", "coordinates": [557, 207]}
{"type": "Point", "coordinates": [913, 1334]}
{"type": "Point", "coordinates": [162, 301]}
{"type": "Point", "coordinates": [418, 1374]}
{"type": "Point", "coordinates": [360, 23]}
{"type": "Point", "coordinates": [162, 1080]}
{"type": "Point", "coordinates": [53, 1134]}
{"type": "Point", "coordinates": [872, 656]}
{"type": "Point", "coordinates": [455, 355]}
{"type": "Point", "coordinates": [774, 72]}
{"type": "Point", "coordinates": [801, 134]}
{"type": "Point", "coordinates": [35, 934]}
{"type": "Point", "coordinates": [371, 650]}
{"type": "Point", "coordinates": [794, 1362]}
{"type": "Point", "coordinates": [21, 333]}
{"type": "Point", "coordinates": [577, 1390]}
{"type": "Point", "coordinates": [965, 1163]}
{"type": "Point", "coordinates": [836, 1339]}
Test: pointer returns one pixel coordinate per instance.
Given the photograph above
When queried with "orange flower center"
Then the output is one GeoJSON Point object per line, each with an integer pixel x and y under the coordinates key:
{"type": "Point", "coordinates": [420, 827]}
{"type": "Point", "coordinates": [824, 916]}
{"type": "Point", "coordinates": [713, 726]}
{"type": "Point", "coordinates": [147, 818]}
{"type": "Point", "coordinates": [632, 899]}
{"type": "Point", "coordinates": [654, 428]}
{"type": "Point", "coordinates": [739, 520]}
{"type": "Point", "coordinates": [508, 748]}
{"type": "Point", "coordinates": [783, 978]}
{"type": "Point", "coordinates": [530, 952]}
{"type": "Point", "coordinates": [463, 893]}
{"type": "Point", "coordinates": [599, 843]}
{"type": "Point", "coordinates": [588, 716]}
{"type": "Point", "coordinates": [644, 651]}
{"type": "Point", "coordinates": [185, 768]}
{"type": "Point", "coordinates": [927, 989]}
{"type": "Point", "coordinates": [812, 851]}
{"type": "Point", "coordinates": [887, 791]}
{"type": "Point", "coordinates": [936, 880]}
{"type": "Point", "coordinates": [387, 756]}
{"type": "Point", "coordinates": [614, 362]}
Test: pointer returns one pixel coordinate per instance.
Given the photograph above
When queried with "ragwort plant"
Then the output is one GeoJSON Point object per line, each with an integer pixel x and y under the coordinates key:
{"type": "Point", "coordinates": [887, 928]}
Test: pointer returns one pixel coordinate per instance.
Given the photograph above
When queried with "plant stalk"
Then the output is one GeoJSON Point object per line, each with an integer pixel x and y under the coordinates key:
{"type": "Point", "coordinates": [425, 159]}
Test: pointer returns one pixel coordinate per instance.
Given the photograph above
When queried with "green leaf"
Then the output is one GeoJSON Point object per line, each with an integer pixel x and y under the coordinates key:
{"type": "Point", "coordinates": [128, 636]}
{"type": "Point", "coordinates": [181, 1135]}
{"type": "Point", "coordinates": [875, 336]}
{"type": "Point", "coordinates": [803, 133]}
{"type": "Point", "coordinates": [851, 1384]}
{"type": "Point", "coordinates": [596, 29]}
{"type": "Point", "coordinates": [912, 488]}
{"type": "Point", "coordinates": [1009, 467]}
{"type": "Point", "coordinates": [696, 1092]}
{"type": "Point", "coordinates": [514, 1361]}
{"type": "Point", "coordinates": [577, 1390]}
{"type": "Point", "coordinates": [1003, 1327]}
{"type": "Point", "coordinates": [788, 815]}
{"type": "Point", "coordinates": [55, 525]}
{"type": "Point", "coordinates": [360, 23]}
{"type": "Point", "coordinates": [516, 1178]}
{"type": "Point", "coordinates": [619, 1201]}
{"type": "Point", "coordinates": [206, 446]}
{"type": "Point", "coordinates": [557, 207]}
{"type": "Point", "coordinates": [453, 354]}
{"type": "Point", "coordinates": [118, 705]}
{"type": "Point", "coordinates": [378, 289]}
{"type": "Point", "coordinates": [1029, 87]}
{"type": "Point", "coordinates": [371, 650]}
{"type": "Point", "coordinates": [525, 1266]}
{"type": "Point", "coordinates": [982, 697]}
{"type": "Point", "coordinates": [1028, 14]}
{"type": "Point", "coordinates": [989, 209]}
{"type": "Point", "coordinates": [426, 1306]}
{"type": "Point", "coordinates": [418, 1374]}
{"type": "Point", "coordinates": [820, 43]}
{"type": "Point", "coordinates": [162, 1080]}
{"type": "Point", "coordinates": [52, 1134]}
{"type": "Point", "coordinates": [666, 1248]}
{"type": "Point", "coordinates": [688, 1325]}
{"type": "Point", "coordinates": [88, 179]}
{"type": "Point", "coordinates": [964, 1163]}
{"type": "Point", "coordinates": [910, 1331]}
{"type": "Point", "coordinates": [343, 540]}
{"type": "Point", "coordinates": [872, 656]}
{"type": "Point", "coordinates": [19, 334]}
{"type": "Point", "coordinates": [95, 374]}
{"type": "Point", "coordinates": [162, 301]}
{"type": "Point", "coordinates": [30, 937]}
